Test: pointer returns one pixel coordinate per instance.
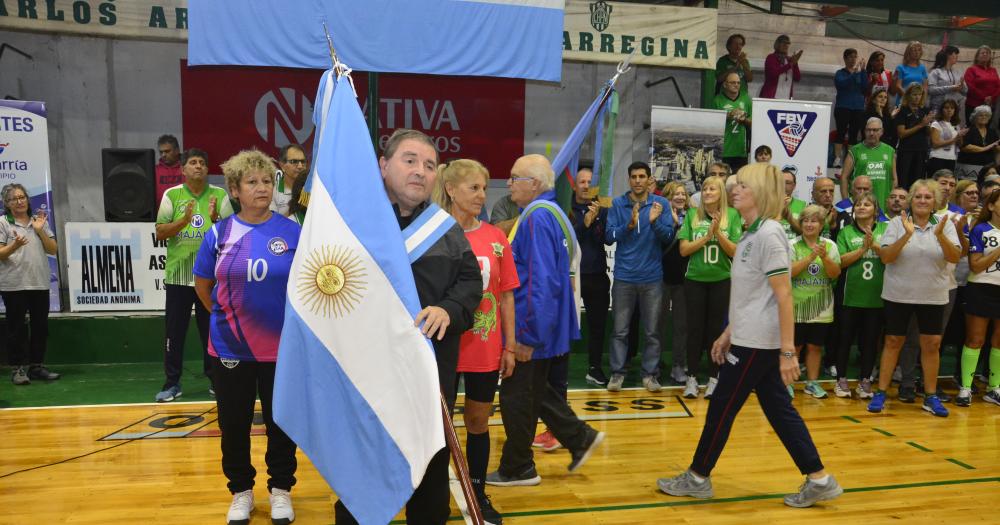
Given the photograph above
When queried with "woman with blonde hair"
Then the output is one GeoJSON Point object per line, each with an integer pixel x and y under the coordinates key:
{"type": "Point", "coordinates": [756, 352]}
{"type": "Point", "coordinates": [482, 357]}
{"type": "Point", "coordinates": [911, 70]}
{"type": "Point", "coordinates": [912, 124]}
{"type": "Point", "coordinates": [815, 268]}
{"type": "Point", "coordinates": [708, 237]}
{"type": "Point", "coordinates": [917, 249]}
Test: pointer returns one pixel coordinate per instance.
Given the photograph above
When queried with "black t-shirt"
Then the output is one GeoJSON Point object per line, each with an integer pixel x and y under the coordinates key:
{"type": "Point", "coordinates": [909, 118]}
{"type": "Point", "coordinates": [975, 138]}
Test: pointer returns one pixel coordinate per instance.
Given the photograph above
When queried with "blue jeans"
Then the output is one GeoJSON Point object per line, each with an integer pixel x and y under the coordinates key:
{"type": "Point", "coordinates": [649, 297]}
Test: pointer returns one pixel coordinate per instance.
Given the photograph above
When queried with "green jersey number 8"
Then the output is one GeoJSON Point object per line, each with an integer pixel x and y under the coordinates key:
{"type": "Point", "coordinates": [867, 272]}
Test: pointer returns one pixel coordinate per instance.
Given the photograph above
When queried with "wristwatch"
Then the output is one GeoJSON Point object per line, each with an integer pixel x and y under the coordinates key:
{"type": "Point", "coordinates": [787, 354]}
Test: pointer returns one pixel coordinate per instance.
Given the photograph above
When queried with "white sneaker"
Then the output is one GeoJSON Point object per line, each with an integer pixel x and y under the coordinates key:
{"type": "Point", "coordinates": [651, 384]}
{"type": "Point", "coordinates": [678, 374]}
{"type": "Point", "coordinates": [615, 384]}
{"type": "Point", "coordinates": [691, 388]}
{"type": "Point", "coordinates": [281, 507]}
{"type": "Point", "coordinates": [710, 388]}
{"type": "Point", "coordinates": [841, 388]}
{"type": "Point", "coordinates": [241, 508]}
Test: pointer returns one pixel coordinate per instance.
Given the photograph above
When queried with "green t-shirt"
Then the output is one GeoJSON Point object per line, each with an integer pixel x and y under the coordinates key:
{"type": "Point", "coordinates": [734, 143]}
{"type": "Point", "coordinates": [725, 64]}
{"type": "Point", "coordinates": [710, 264]}
{"type": "Point", "coordinates": [795, 208]}
{"type": "Point", "coordinates": [183, 247]}
{"type": "Point", "coordinates": [812, 290]}
{"type": "Point", "coordinates": [863, 279]}
{"type": "Point", "coordinates": [876, 164]}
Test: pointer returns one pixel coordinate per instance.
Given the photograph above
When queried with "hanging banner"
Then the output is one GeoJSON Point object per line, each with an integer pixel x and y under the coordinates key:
{"type": "Point", "coordinates": [798, 133]}
{"type": "Point", "coordinates": [686, 141]}
{"type": "Point", "coordinates": [466, 117]}
{"type": "Point", "coordinates": [661, 35]}
{"type": "Point", "coordinates": [115, 266]}
{"type": "Point", "coordinates": [156, 20]}
{"type": "Point", "coordinates": [24, 159]}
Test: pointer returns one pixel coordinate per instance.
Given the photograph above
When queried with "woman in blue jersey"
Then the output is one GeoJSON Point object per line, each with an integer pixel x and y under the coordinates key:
{"type": "Point", "coordinates": [756, 352]}
{"type": "Point", "coordinates": [982, 302]}
{"type": "Point", "coordinates": [241, 276]}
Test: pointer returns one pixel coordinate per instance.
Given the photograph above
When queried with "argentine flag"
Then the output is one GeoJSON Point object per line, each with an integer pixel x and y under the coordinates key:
{"type": "Point", "coordinates": [356, 385]}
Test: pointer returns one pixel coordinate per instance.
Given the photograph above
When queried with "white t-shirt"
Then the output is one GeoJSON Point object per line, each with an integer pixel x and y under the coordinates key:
{"type": "Point", "coordinates": [945, 131]}
{"type": "Point", "coordinates": [753, 309]}
{"type": "Point", "coordinates": [920, 275]}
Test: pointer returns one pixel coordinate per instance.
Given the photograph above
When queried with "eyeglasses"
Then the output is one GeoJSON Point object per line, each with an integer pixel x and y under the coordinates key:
{"type": "Point", "coordinates": [21, 198]}
{"type": "Point", "coordinates": [515, 179]}
{"type": "Point", "coordinates": [971, 193]}
{"type": "Point", "coordinates": [300, 162]}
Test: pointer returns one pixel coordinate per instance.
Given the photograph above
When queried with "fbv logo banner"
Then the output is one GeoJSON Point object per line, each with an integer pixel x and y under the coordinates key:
{"type": "Point", "coordinates": [791, 127]}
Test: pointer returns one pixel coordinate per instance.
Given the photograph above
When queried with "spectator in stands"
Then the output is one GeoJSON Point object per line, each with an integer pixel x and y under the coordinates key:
{"type": "Point", "coordinates": [871, 158]}
{"type": "Point", "coordinates": [762, 153]}
{"type": "Point", "coordinates": [896, 202]}
{"type": "Point", "coordinates": [590, 221]}
{"type": "Point", "coordinates": [736, 104]}
{"type": "Point", "coordinates": [637, 223]}
{"type": "Point", "coordinates": [293, 166]}
{"type": "Point", "coordinates": [878, 107]}
{"type": "Point", "coordinates": [793, 207]}
{"type": "Point", "coordinates": [983, 83]}
{"type": "Point", "coordinates": [966, 197]}
{"type": "Point", "coordinates": [735, 61]}
{"type": "Point", "coordinates": [296, 209]}
{"type": "Point", "coordinates": [980, 144]}
{"type": "Point", "coordinates": [851, 82]}
{"type": "Point", "coordinates": [781, 70]}
{"type": "Point", "coordinates": [257, 234]}
{"type": "Point", "coordinates": [911, 126]}
{"type": "Point", "coordinates": [26, 241]}
{"type": "Point", "coordinates": [879, 78]}
{"type": "Point", "coordinates": [942, 82]}
{"type": "Point", "coordinates": [946, 137]}
{"type": "Point", "coordinates": [911, 71]}
{"type": "Point", "coordinates": [504, 213]}
{"type": "Point", "coordinates": [168, 168]}
{"type": "Point", "coordinates": [916, 250]}
{"type": "Point", "coordinates": [674, 267]}
{"type": "Point", "coordinates": [716, 169]}
{"type": "Point", "coordinates": [823, 194]}
{"type": "Point", "coordinates": [187, 212]}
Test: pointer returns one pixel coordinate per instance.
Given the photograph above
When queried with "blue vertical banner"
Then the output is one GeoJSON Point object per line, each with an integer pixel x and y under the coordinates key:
{"type": "Point", "coordinates": [24, 159]}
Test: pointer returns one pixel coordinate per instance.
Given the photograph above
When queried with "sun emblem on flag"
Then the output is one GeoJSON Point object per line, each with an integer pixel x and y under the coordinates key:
{"type": "Point", "coordinates": [331, 281]}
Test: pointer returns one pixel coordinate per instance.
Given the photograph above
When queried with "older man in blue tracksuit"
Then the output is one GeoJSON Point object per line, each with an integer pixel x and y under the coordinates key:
{"type": "Point", "coordinates": [546, 322]}
{"type": "Point", "coordinates": [638, 223]}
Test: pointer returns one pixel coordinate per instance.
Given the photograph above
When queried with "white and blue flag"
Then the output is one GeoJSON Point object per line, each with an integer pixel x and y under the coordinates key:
{"type": "Point", "coordinates": [494, 38]}
{"type": "Point", "coordinates": [356, 385]}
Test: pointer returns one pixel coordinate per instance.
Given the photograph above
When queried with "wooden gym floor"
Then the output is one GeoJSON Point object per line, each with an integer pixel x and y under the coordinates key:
{"type": "Point", "coordinates": [149, 463]}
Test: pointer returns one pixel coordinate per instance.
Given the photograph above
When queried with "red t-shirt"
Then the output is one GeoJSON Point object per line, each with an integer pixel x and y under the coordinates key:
{"type": "Point", "coordinates": [482, 345]}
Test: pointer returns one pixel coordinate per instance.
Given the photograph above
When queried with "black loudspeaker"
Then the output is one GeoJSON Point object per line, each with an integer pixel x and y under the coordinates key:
{"type": "Point", "coordinates": [129, 184]}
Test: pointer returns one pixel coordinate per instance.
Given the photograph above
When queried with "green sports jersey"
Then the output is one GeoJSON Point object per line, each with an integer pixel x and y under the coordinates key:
{"type": "Point", "coordinates": [726, 64]}
{"type": "Point", "coordinates": [863, 279]}
{"type": "Point", "coordinates": [795, 208]}
{"type": "Point", "coordinates": [734, 143]}
{"type": "Point", "coordinates": [710, 264]}
{"type": "Point", "coordinates": [876, 164]}
{"type": "Point", "coordinates": [183, 247]}
{"type": "Point", "coordinates": [812, 290]}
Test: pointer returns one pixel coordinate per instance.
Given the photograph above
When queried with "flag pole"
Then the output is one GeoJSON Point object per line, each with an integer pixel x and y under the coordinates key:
{"type": "Point", "coordinates": [451, 437]}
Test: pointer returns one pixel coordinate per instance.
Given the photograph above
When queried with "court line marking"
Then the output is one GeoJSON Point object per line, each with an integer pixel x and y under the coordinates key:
{"type": "Point", "coordinates": [959, 463]}
{"type": "Point", "coordinates": [737, 499]}
{"type": "Point", "coordinates": [883, 432]}
{"type": "Point", "coordinates": [918, 446]}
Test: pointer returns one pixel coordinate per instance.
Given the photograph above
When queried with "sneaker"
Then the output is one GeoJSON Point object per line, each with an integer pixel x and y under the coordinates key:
{"type": "Point", "coordinates": [791, 391]}
{"type": "Point", "coordinates": [878, 402]}
{"type": "Point", "coordinates": [169, 394]}
{"type": "Point", "coordinates": [241, 508]}
{"type": "Point", "coordinates": [581, 456]}
{"type": "Point", "coordinates": [686, 485]}
{"type": "Point", "coordinates": [40, 372]}
{"type": "Point", "coordinates": [907, 394]}
{"type": "Point", "coordinates": [650, 383]}
{"type": "Point", "coordinates": [490, 515]}
{"type": "Point", "coordinates": [546, 441]}
{"type": "Point", "coordinates": [842, 389]}
{"type": "Point", "coordinates": [679, 375]}
{"type": "Point", "coordinates": [281, 507]}
{"type": "Point", "coordinates": [710, 387]}
{"type": "Point", "coordinates": [691, 388]}
{"type": "Point", "coordinates": [615, 384]}
{"type": "Point", "coordinates": [596, 377]}
{"type": "Point", "coordinates": [933, 405]}
{"type": "Point", "coordinates": [814, 389]}
{"type": "Point", "coordinates": [811, 493]}
{"type": "Point", "coordinates": [831, 370]}
{"type": "Point", "coordinates": [993, 396]}
{"type": "Point", "coordinates": [864, 389]}
{"type": "Point", "coordinates": [19, 376]}
{"type": "Point", "coordinates": [528, 478]}
{"type": "Point", "coordinates": [964, 398]}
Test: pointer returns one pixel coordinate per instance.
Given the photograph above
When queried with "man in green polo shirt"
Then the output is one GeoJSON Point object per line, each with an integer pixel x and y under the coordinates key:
{"type": "Point", "coordinates": [187, 211]}
{"type": "Point", "coordinates": [736, 104]}
{"type": "Point", "coordinates": [793, 206]}
{"type": "Point", "coordinates": [873, 159]}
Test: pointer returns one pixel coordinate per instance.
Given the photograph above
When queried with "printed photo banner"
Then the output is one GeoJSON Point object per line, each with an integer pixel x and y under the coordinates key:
{"type": "Point", "coordinates": [661, 35]}
{"type": "Point", "coordinates": [24, 159]}
{"type": "Point", "coordinates": [798, 133]}
{"type": "Point", "coordinates": [115, 266]}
